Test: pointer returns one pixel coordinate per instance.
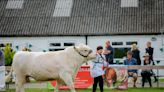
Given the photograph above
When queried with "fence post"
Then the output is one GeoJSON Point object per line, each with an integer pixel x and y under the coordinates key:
{"type": "Point", "coordinates": [157, 77]}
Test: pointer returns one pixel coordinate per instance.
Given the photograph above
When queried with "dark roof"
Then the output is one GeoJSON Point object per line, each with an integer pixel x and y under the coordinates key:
{"type": "Point", "coordinates": [88, 17]}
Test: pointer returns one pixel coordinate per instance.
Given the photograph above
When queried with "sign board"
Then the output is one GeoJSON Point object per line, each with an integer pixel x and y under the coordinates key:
{"type": "Point", "coordinates": [84, 79]}
{"type": "Point", "coordinates": [117, 77]}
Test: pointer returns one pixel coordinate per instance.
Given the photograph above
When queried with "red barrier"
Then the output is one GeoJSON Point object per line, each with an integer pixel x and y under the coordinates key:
{"type": "Point", "coordinates": [82, 80]}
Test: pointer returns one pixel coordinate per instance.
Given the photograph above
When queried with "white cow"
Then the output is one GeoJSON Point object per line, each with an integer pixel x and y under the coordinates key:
{"type": "Point", "coordinates": [61, 66]}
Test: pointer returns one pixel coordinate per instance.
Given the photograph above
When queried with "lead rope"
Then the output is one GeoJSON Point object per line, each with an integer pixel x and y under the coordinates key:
{"type": "Point", "coordinates": [106, 73]}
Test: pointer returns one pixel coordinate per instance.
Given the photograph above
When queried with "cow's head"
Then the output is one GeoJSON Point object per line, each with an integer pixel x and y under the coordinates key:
{"type": "Point", "coordinates": [85, 51]}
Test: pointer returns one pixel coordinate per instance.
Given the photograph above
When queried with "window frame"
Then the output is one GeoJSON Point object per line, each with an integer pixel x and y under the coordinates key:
{"type": "Point", "coordinates": [56, 44]}
{"type": "Point", "coordinates": [131, 42]}
{"type": "Point", "coordinates": [117, 43]}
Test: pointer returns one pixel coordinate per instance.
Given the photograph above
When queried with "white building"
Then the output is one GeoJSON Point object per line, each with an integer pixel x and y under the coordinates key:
{"type": "Point", "coordinates": [51, 25]}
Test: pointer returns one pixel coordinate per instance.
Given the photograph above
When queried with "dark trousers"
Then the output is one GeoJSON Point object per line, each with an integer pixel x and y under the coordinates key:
{"type": "Point", "coordinates": [110, 62]}
{"type": "Point", "coordinates": [97, 80]}
{"type": "Point", "coordinates": [155, 77]}
{"type": "Point", "coordinates": [144, 77]}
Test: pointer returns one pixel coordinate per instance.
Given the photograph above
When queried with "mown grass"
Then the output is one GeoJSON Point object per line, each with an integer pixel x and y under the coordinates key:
{"type": "Point", "coordinates": [106, 90]}
{"type": "Point", "coordinates": [161, 80]}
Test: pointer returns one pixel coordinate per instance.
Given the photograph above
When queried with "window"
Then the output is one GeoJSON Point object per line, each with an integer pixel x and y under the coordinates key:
{"type": "Point", "coordinates": [63, 8]}
{"type": "Point", "coordinates": [4, 44]}
{"type": "Point", "coordinates": [14, 4]}
{"type": "Point", "coordinates": [56, 49]}
{"type": "Point", "coordinates": [59, 46]}
{"type": "Point", "coordinates": [130, 43]}
{"type": "Point", "coordinates": [120, 52]}
{"type": "Point", "coordinates": [117, 43]}
{"type": "Point", "coordinates": [129, 3]}
{"type": "Point", "coordinates": [69, 44]}
{"type": "Point", "coordinates": [55, 44]}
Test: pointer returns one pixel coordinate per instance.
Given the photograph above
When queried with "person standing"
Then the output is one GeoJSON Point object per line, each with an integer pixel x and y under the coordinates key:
{"type": "Point", "coordinates": [97, 70]}
{"type": "Point", "coordinates": [131, 61]}
{"type": "Point", "coordinates": [150, 51]}
{"type": "Point", "coordinates": [2, 70]}
{"type": "Point", "coordinates": [136, 53]}
{"type": "Point", "coordinates": [2, 59]}
{"type": "Point", "coordinates": [109, 53]}
{"type": "Point", "coordinates": [146, 73]}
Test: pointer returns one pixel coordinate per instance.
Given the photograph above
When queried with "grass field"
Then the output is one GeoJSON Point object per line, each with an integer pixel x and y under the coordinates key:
{"type": "Point", "coordinates": [106, 90]}
{"type": "Point", "coordinates": [161, 80]}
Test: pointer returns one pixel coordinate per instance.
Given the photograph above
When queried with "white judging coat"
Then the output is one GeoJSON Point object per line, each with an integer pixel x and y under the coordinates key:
{"type": "Point", "coordinates": [61, 66]}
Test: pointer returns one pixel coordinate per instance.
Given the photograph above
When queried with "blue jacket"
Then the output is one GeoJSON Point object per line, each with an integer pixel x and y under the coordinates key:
{"type": "Point", "coordinates": [131, 62]}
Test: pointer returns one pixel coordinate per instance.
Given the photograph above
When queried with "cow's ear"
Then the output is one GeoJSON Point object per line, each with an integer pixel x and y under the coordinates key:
{"type": "Point", "coordinates": [76, 47]}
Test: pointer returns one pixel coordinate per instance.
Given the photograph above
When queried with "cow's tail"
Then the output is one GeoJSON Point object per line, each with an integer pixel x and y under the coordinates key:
{"type": "Point", "coordinates": [8, 78]}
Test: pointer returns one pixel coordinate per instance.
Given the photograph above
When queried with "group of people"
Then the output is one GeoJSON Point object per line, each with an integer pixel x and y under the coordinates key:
{"type": "Point", "coordinates": [104, 57]}
{"type": "Point", "coordinates": [133, 58]}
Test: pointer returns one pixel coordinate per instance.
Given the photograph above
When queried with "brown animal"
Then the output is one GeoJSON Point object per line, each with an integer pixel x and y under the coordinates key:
{"type": "Point", "coordinates": [110, 76]}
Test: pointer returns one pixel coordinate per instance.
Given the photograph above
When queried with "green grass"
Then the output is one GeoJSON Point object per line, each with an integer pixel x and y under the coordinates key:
{"type": "Point", "coordinates": [106, 90]}
{"type": "Point", "coordinates": [161, 80]}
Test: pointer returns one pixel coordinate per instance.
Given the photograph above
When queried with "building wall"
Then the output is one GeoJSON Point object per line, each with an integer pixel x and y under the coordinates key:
{"type": "Point", "coordinates": [40, 43]}
{"type": "Point", "coordinates": [43, 43]}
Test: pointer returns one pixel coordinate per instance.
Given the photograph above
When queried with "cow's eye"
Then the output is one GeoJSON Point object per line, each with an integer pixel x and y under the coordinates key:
{"type": "Point", "coordinates": [85, 50]}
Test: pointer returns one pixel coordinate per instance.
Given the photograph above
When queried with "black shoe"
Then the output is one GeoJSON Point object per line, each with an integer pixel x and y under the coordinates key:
{"type": "Point", "coordinates": [155, 81]}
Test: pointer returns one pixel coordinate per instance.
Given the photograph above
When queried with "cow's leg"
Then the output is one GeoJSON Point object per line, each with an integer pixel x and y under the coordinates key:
{"type": "Point", "coordinates": [67, 78]}
{"type": "Point", "coordinates": [20, 80]}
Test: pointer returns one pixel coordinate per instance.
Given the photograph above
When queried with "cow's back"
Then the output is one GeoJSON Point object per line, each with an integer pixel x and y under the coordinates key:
{"type": "Point", "coordinates": [23, 60]}
{"type": "Point", "coordinates": [40, 65]}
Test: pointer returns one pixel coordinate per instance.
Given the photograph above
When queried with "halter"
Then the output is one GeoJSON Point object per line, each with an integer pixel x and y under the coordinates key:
{"type": "Point", "coordinates": [82, 54]}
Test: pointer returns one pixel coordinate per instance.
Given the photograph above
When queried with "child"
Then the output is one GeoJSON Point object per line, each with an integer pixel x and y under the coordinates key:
{"type": "Point", "coordinates": [147, 73]}
{"type": "Point", "coordinates": [97, 70]}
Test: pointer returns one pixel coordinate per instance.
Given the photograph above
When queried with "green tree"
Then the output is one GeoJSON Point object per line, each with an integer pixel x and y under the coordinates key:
{"type": "Point", "coordinates": [9, 54]}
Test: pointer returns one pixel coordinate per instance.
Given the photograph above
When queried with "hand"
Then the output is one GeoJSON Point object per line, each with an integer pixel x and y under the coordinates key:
{"type": "Point", "coordinates": [109, 51]}
{"type": "Point", "coordinates": [104, 68]}
{"type": "Point", "coordinates": [130, 73]}
{"type": "Point", "coordinates": [106, 52]}
{"type": "Point", "coordinates": [103, 76]}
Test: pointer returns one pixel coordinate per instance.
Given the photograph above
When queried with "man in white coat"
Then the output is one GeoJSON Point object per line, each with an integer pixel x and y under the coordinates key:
{"type": "Point", "coordinates": [61, 66]}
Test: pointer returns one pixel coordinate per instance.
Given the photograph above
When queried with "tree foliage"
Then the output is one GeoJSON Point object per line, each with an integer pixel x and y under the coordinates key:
{"type": "Point", "coordinates": [9, 54]}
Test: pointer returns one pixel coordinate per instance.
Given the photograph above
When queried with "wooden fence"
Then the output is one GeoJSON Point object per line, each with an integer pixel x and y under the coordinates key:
{"type": "Point", "coordinates": [138, 67]}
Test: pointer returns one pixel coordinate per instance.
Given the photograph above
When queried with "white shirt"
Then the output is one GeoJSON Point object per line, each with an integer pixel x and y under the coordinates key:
{"type": "Point", "coordinates": [98, 65]}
